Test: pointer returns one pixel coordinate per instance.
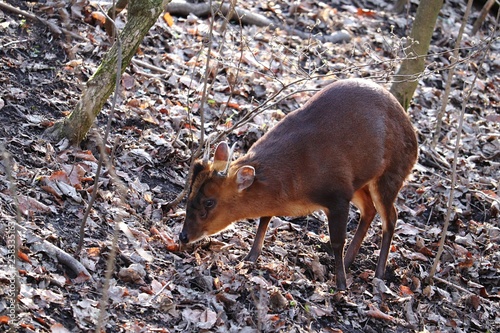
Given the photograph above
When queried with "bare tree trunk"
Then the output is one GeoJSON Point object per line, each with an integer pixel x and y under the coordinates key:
{"type": "Point", "coordinates": [142, 14]}
{"type": "Point", "coordinates": [486, 8]}
{"type": "Point", "coordinates": [406, 79]}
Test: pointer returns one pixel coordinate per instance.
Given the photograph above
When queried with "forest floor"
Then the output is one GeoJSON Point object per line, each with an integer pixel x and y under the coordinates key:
{"type": "Point", "coordinates": [207, 287]}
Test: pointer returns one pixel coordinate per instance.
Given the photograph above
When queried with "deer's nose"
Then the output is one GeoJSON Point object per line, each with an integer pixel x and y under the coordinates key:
{"type": "Point", "coordinates": [183, 237]}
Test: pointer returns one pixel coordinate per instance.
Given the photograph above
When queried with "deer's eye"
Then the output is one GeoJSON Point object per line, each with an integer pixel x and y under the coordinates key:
{"type": "Point", "coordinates": [209, 203]}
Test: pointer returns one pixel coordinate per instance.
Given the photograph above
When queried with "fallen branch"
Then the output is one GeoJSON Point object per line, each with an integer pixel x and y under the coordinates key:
{"type": "Point", "coordinates": [465, 291]}
{"type": "Point", "coordinates": [53, 27]}
{"type": "Point", "coordinates": [183, 8]}
{"type": "Point", "coordinates": [149, 66]}
{"type": "Point", "coordinates": [55, 252]}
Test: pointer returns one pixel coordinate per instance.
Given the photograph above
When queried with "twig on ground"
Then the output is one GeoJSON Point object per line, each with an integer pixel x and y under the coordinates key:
{"type": "Point", "coordinates": [14, 42]}
{"type": "Point", "coordinates": [151, 67]}
{"type": "Point", "coordinates": [55, 252]}
{"type": "Point", "coordinates": [53, 27]}
{"type": "Point", "coordinates": [461, 289]}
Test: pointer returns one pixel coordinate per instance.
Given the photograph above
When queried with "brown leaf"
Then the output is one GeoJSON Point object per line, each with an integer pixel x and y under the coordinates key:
{"type": "Point", "coordinates": [168, 19]}
{"type": "Point", "coordinates": [23, 256]}
{"type": "Point", "coordinates": [134, 102]}
{"type": "Point", "coordinates": [81, 278]}
{"type": "Point", "coordinates": [93, 251]}
{"type": "Point", "coordinates": [75, 174]}
{"type": "Point", "coordinates": [40, 320]}
{"type": "Point", "coordinates": [426, 251]}
{"type": "Point", "coordinates": [53, 190]}
{"type": "Point", "coordinates": [459, 250]}
{"type": "Point", "coordinates": [85, 155]}
{"type": "Point", "coordinates": [226, 299]}
{"type": "Point", "coordinates": [58, 328]}
{"type": "Point", "coordinates": [134, 273]}
{"type": "Point", "coordinates": [234, 105]}
{"type": "Point", "coordinates": [59, 175]}
{"type": "Point", "coordinates": [166, 239]}
{"type": "Point", "coordinates": [365, 275]}
{"type": "Point", "coordinates": [374, 312]}
{"type": "Point", "coordinates": [27, 326]}
{"type": "Point", "coordinates": [146, 290]}
{"type": "Point", "coordinates": [475, 301]}
{"type": "Point", "coordinates": [99, 17]}
{"type": "Point", "coordinates": [128, 81]}
{"type": "Point", "coordinates": [405, 291]}
{"type": "Point", "coordinates": [468, 262]}
{"type": "Point", "coordinates": [29, 205]}
{"type": "Point", "coordinates": [411, 255]}
{"type": "Point", "coordinates": [277, 302]}
{"type": "Point", "coordinates": [366, 12]}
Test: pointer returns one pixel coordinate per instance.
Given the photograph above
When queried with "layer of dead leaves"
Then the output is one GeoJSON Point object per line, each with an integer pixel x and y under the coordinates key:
{"type": "Point", "coordinates": [207, 288]}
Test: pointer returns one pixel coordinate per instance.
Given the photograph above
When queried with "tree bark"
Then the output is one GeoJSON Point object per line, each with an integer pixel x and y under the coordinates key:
{"type": "Point", "coordinates": [142, 14]}
{"type": "Point", "coordinates": [406, 79]}
{"type": "Point", "coordinates": [479, 21]}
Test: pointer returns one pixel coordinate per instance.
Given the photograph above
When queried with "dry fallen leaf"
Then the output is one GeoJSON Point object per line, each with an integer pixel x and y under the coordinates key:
{"type": "Point", "coordinates": [168, 19]}
{"type": "Point", "coordinates": [29, 205]}
{"type": "Point", "coordinates": [159, 113]}
{"type": "Point", "coordinates": [277, 302]}
{"type": "Point", "coordinates": [23, 256]}
{"type": "Point", "coordinates": [366, 12]}
{"type": "Point", "coordinates": [58, 328]}
{"type": "Point", "coordinates": [93, 251]}
{"type": "Point", "coordinates": [99, 17]}
{"type": "Point", "coordinates": [167, 240]}
{"type": "Point", "coordinates": [81, 278]}
{"type": "Point", "coordinates": [85, 155]}
{"type": "Point", "coordinates": [134, 273]}
{"type": "Point", "coordinates": [412, 255]}
{"type": "Point", "coordinates": [405, 291]}
{"type": "Point", "coordinates": [375, 312]}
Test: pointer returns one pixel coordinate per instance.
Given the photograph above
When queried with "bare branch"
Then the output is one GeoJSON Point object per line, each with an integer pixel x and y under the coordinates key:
{"type": "Point", "coordinates": [455, 159]}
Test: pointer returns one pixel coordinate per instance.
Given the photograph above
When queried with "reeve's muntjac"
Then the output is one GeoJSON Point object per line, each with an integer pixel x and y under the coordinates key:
{"type": "Point", "coordinates": [351, 142]}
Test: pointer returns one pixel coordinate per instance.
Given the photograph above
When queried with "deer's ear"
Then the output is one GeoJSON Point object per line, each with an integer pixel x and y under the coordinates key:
{"type": "Point", "coordinates": [221, 156]}
{"type": "Point", "coordinates": [245, 177]}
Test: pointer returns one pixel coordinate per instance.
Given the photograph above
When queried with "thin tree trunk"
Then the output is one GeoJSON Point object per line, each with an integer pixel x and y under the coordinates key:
{"type": "Point", "coordinates": [406, 79]}
{"type": "Point", "coordinates": [479, 22]}
{"type": "Point", "coordinates": [142, 14]}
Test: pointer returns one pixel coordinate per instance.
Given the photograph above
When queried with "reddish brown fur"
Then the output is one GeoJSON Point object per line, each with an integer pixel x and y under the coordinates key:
{"type": "Point", "coordinates": [352, 141]}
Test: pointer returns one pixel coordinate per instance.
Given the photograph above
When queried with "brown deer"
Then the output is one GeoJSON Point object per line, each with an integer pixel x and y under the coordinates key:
{"type": "Point", "coordinates": [351, 142]}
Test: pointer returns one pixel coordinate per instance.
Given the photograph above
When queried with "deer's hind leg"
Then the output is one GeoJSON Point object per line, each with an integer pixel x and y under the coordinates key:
{"type": "Point", "coordinates": [363, 201]}
{"type": "Point", "coordinates": [384, 193]}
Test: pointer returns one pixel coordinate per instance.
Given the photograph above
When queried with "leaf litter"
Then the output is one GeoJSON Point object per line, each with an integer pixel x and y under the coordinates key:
{"type": "Point", "coordinates": [206, 287]}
